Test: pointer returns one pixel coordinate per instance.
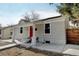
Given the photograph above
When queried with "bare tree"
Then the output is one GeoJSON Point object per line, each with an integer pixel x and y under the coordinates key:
{"type": "Point", "coordinates": [26, 17]}
{"type": "Point", "coordinates": [32, 16]}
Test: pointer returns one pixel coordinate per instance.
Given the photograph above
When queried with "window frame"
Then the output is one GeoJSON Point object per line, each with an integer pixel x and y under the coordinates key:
{"type": "Point", "coordinates": [21, 30]}
{"type": "Point", "coordinates": [48, 32]}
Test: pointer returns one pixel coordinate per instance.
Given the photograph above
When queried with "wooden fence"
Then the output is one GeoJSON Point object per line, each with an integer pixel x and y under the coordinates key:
{"type": "Point", "coordinates": [72, 36]}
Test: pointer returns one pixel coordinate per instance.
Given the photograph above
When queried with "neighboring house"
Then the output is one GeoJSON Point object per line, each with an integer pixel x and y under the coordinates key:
{"type": "Point", "coordinates": [7, 32]}
{"type": "Point", "coordinates": [0, 32]}
{"type": "Point", "coordinates": [48, 30]}
{"type": "Point", "coordinates": [74, 23]}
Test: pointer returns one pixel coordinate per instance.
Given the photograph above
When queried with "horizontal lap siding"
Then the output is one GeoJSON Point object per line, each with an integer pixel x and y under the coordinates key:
{"type": "Point", "coordinates": [58, 32]}
{"type": "Point", "coordinates": [40, 32]}
{"type": "Point", "coordinates": [48, 37]}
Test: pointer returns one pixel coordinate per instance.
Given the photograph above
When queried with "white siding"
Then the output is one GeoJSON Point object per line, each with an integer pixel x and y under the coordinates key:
{"type": "Point", "coordinates": [57, 31]}
{"type": "Point", "coordinates": [25, 33]}
{"type": "Point", "coordinates": [7, 33]}
{"type": "Point", "coordinates": [40, 32]}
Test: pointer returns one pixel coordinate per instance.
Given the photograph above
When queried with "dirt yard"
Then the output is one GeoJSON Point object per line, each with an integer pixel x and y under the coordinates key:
{"type": "Point", "coordinates": [16, 51]}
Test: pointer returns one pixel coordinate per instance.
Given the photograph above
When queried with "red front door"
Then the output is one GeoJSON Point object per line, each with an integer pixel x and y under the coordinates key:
{"type": "Point", "coordinates": [31, 32]}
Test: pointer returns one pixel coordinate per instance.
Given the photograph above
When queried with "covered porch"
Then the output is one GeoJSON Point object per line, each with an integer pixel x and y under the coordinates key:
{"type": "Point", "coordinates": [36, 33]}
{"type": "Point", "coordinates": [29, 34]}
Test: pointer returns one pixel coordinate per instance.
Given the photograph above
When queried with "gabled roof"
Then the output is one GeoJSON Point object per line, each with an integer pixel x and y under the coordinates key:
{"type": "Point", "coordinates": [48, 18]}
{"type": "Point", "coordinates": [8, 26]}
{"type": "Point", "coordinates": [42, 15]}
{"type": "Point", "coordinates": [40, 19]}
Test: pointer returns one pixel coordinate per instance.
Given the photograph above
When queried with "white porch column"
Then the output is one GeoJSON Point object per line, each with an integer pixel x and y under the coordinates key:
{"type": "Point", "coordinates": [34, 37]}
{"type": "Point", "coordinates": [13, 35]}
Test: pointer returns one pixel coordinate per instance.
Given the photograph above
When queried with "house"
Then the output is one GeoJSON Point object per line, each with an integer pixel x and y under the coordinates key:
{"type": "Point", "coordinates": [7, 32]}
{"type": "Point", "coordinates": [0, 32]}
{"type": "Point", "coordinates": [49, 30]}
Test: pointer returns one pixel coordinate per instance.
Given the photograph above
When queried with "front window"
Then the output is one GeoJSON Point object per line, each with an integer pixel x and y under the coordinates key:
{"type": "Point", "coordinates": [21, 30]}
{"type": "Point", "coordinates": [47, 28]}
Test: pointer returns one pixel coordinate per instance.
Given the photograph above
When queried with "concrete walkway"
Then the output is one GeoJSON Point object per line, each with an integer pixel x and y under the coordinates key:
{"type": "Point", "coordinates": [71, 49]}
{"type": "Point", "coordinates": [72, 52]}
{"type": "Point", "coordinates": [6, 44]}
{"type": "Point", "coordinates": [65, 49]}
{"type": "Point", "coordinates": [50, 47]}
{"type": "Point", "coordinates": [8, 40]}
